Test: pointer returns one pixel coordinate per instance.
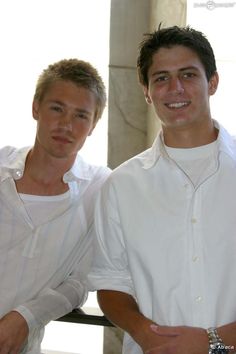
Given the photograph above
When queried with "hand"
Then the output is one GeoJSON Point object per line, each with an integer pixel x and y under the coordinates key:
{"type": "Point", "coordinates": [13, 333]}
{"type": "Point", "coordinates": [183, 340]}
{"type": "Point", "coordinates": [147, 338]}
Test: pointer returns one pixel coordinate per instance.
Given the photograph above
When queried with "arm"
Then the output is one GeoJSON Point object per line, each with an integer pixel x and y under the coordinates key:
{"type": "Point", "coordinates": [121, 309]}
{"type": "Point", "coordinates": [13, 333]}
{"type": "Point", "coordinates": [16, 325]}
{"type": "Point", "coordinates": [110, 270]}
{"type": "Point", "coordinates": [52, 303]}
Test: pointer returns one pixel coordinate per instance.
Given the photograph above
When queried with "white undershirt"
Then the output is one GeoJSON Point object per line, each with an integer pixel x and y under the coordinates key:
{"type": "Point", "coordinates": [41, 209]}
{"type": "Point", "coordinates": [197, 163]}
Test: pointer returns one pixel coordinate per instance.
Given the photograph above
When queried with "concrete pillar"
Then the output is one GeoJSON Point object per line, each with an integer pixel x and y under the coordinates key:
{"type": "Point", "coordinates": [127, 108]}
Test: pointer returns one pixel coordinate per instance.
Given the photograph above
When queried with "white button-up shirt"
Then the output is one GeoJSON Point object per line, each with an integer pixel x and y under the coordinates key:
{"type": "Point", "coordinates": [171, 245]}
{"type": "Point", "coordinates": [42, 269]}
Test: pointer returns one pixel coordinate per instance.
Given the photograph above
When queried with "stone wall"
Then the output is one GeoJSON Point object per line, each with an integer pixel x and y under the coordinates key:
{"type": "Point", "coordinates": [127, 108]}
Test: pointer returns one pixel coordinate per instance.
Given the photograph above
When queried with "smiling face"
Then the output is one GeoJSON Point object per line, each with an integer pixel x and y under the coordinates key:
{"type": "Point", "coordinates": [179, 90]}
{"type": "Point", "coordinates": [65, 117]}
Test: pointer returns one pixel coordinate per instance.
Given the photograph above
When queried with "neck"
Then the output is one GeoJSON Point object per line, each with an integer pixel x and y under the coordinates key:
{"type": "Point", "coordinates": [183, 137]}
{"type": "Point", "coordinates": [43, 174]}
{"type": "Point", "coordinates": [46, 168]}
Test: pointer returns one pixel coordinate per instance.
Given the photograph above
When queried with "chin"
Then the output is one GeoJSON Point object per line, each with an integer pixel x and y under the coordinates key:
{"type": "Point", "coordinates": [181, 121]}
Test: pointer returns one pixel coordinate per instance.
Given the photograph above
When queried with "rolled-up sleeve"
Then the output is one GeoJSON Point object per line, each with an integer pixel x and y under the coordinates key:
{"type": "Point", "coordinates": [110, 268]}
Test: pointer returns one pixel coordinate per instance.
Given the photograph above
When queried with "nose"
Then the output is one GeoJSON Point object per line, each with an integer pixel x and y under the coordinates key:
{"type": "Point", "coordinates": [65, 120]}
{"type": "Point", "coordinates": [176, 86]}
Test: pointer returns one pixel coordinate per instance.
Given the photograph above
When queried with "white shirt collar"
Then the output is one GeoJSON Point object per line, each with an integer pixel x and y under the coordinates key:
{"type": "Point", "coordinates": [79, 170]}
{"type": "Point", "coordinates": [15, 164]}
{"type": "Point", "coordinates": [226, 144]}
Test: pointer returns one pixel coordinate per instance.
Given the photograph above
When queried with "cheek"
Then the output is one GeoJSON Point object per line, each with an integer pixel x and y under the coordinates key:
{"type": "Point", "coordinates": [202, 95]}
{"type": "Point", "coordinates": [82, 128]}
{"type": "Point", "coordinates": [158, 100]}
{"type": "Point", "coordinates": [158, 94]}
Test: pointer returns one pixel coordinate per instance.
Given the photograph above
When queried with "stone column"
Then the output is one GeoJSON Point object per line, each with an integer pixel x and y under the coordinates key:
{"type": "Point", "coordinates": [127, 108]}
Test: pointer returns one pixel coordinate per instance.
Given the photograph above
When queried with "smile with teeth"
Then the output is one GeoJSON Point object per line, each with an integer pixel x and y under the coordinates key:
{"type": "Point", "coordinates": [177, 104]}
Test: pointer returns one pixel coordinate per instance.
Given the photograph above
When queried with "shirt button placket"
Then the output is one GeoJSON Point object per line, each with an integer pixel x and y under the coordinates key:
{"type": "Point", "coordinates": [196, 261]}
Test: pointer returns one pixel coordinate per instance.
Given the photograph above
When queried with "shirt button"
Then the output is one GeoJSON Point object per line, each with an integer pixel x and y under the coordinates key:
{"type": "Point", "coordinates": [18, 174]}
{"type": "Point", "coordinates": [198, 299]}
{"type": "Point", "coordinates": [195, 258]}
{"type": "Point", "coordinates": [193, 221]}
{"type": "Point", "coordinates": [68, 177]}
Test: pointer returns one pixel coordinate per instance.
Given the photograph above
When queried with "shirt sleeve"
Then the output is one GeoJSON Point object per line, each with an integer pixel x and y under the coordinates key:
{"type": "Point", "coordinates": [110, 267]}
{"type": "Point", "coordinates": [51, 304]}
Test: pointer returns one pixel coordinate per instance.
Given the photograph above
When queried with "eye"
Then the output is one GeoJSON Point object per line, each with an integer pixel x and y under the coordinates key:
{"type": "Point", "coordinates": [188, 75]}
{"type": "Point", "coordinates": [161, 78]}
{"type": "Point", "coordinates": [82, 115]}
{"type": "Point", "coordinates": [56, 108]}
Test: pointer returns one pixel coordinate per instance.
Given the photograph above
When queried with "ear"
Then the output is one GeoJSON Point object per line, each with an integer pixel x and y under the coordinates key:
{"type": "Point", "coordinates": [35, 109]}
{"type": "Point", "coordinates": [146, 95]}
{"type": "Point", "coordinates": [213, 83]}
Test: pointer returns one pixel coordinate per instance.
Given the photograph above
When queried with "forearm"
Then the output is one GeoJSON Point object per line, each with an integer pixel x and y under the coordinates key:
{"type": "Point", "coordinates": [52, 303]}
{"type": "Point", "coordinates": [228, 335]}
{"type": "Point", "coordinates": [122, 310]}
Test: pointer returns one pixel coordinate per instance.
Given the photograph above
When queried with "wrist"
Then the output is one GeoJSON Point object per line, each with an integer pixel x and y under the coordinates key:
{"type": "Point", "coordinates": [142, 330]}
{"type": "Point", "coordinates": [216, 344]}
{"type": "Point", "coordinates": [227, 333]}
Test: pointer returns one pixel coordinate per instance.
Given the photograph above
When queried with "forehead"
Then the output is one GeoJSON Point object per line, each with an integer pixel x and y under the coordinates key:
{"type": "Point", "coordinates": [175, 58]}
{"type": "Point", "coordinates": [68, 89]}
{"type": "Point", "coordinates": [62, 86]}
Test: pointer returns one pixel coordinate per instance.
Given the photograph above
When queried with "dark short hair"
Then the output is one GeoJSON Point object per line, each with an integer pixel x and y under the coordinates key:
{"type": "Point", "coordinates": [169, 37]}
{"type": "Point", "coordinates": [81, 73]}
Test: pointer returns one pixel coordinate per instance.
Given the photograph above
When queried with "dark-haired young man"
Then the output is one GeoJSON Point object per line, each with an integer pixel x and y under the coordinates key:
{"type": "Point", "coordinates": [165, 263]}
{"type": "Point", "coordinates": [47, 196]}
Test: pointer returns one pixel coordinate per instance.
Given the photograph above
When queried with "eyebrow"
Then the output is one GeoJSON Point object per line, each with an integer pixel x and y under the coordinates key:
{"type": "Point", "coordinates": [80, 110]}
{"type": "Point", "coordinates": [181, 69]}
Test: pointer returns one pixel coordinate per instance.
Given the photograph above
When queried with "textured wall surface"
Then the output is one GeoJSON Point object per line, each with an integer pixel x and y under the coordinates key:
{"type": "Point", "coordinates": [127, 125]}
